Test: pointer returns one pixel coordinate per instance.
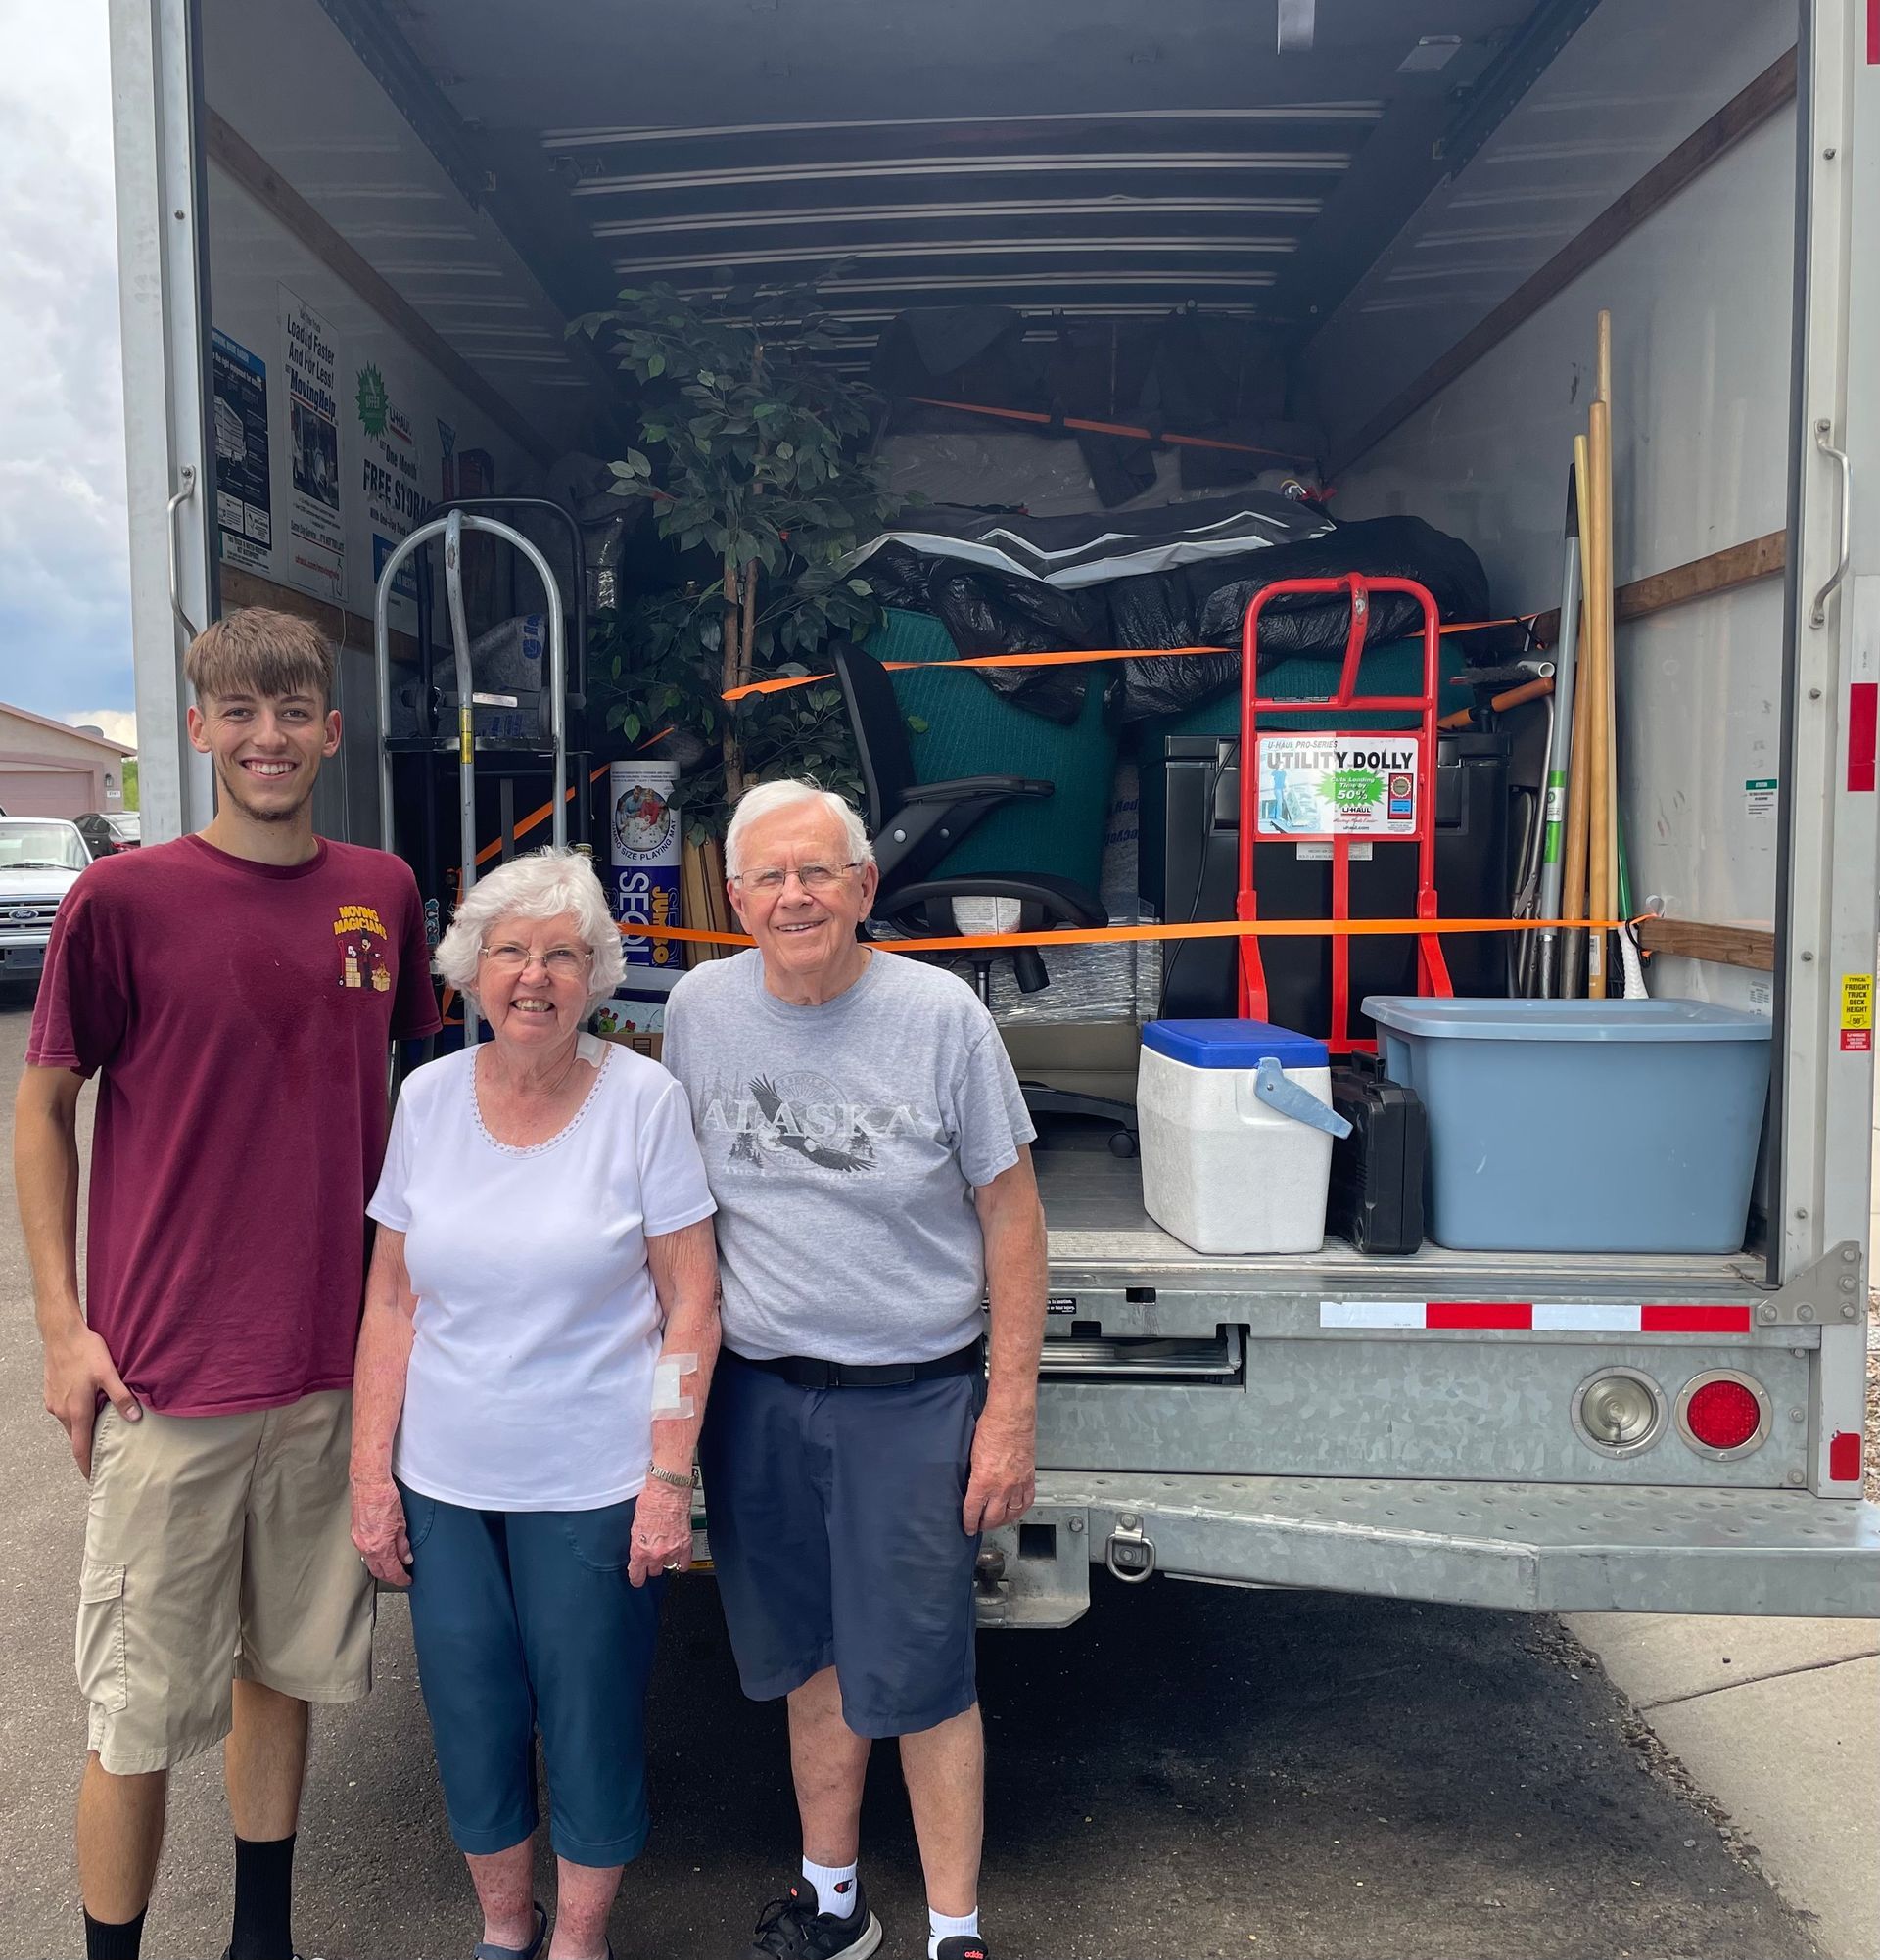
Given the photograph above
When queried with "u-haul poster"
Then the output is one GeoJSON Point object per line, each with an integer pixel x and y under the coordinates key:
{"type": "Point", "coordinates": [1337, 786]}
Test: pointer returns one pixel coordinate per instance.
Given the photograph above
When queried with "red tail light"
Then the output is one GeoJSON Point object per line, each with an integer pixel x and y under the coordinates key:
{"type": "Point", "coordinates": [1844, 1456]}
{"type": "Point", "coordinates": [1723, 1414]}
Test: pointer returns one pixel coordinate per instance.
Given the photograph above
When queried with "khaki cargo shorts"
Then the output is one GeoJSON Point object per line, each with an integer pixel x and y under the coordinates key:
{"type": "Point", "coordinates": [217, 1548]}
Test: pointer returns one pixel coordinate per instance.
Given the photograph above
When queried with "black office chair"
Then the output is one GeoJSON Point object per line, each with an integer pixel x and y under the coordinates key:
{"type": "Point", "coordinates": [915, 824]}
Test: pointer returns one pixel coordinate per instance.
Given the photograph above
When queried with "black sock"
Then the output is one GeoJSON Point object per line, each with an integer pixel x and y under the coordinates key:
{"type": "Point", "coordinates": [263, 1900]}
{"type": "Point", "coordinates": [106, 1940]}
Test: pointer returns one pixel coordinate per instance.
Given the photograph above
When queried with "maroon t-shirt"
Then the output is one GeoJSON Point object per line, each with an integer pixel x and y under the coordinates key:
{"type": "Point", "coordinates": [239, 1016]}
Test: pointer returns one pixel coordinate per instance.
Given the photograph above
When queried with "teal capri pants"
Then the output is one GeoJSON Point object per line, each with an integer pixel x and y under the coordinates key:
{"type": "Point", "coordinates": [524, 1621]}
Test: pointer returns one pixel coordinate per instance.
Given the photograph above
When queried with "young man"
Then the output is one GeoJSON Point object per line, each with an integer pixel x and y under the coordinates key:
{"type": "Point", "coordinates": [234, 992]}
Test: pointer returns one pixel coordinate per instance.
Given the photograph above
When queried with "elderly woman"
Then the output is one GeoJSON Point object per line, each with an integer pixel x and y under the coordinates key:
{"type": "Point", "coordinates": [540, 1327]}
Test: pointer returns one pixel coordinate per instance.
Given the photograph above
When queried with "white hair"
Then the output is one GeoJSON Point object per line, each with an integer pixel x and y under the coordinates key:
{"type": "Point", "coordinates": [544, 885]}
{"type": "Point", "coordinates": [785, 794]}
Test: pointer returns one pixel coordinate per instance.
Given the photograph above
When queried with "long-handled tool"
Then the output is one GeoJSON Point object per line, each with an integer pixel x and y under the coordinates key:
{"type": "Point", "coordinates": [1602, 870]}
{"type": "Point", "coordinates": [1566, 659]}
{"type": "Point", "coordinates": [1599, 810]}
{"type": "Point", "coordinates": [1572, 895]}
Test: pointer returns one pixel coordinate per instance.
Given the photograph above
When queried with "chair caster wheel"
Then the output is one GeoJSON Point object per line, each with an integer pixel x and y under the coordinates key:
{"type": "Point", "coordinates": [1122, 1143]}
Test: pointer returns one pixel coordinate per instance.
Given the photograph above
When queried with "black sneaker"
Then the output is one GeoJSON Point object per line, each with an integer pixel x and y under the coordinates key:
{"type": "Point", "coordinates": [964, 1947]}
{"type": "Point", "coordinates": [791, 1929]}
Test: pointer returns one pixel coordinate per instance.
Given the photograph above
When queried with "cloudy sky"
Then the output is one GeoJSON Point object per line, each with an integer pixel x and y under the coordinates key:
{"type": "Point", "coordinates": [64, 613]}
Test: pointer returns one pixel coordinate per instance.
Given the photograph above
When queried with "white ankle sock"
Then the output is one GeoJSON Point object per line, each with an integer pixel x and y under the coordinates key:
{"type": "Point", "coordinates": [834, 1888]}
{"type": "Point", "coordinates": [940, 1927]}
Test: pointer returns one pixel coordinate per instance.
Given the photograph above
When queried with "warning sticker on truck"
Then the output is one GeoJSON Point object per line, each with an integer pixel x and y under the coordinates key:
{"type": "Point", "coordinates": [1856, 1014]}
{"type": "Point", "coordinates": [1338, 787]}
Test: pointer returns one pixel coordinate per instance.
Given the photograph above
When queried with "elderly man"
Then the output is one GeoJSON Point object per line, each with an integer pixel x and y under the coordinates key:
{"type": "Point", "coordinates": [866, 1141]}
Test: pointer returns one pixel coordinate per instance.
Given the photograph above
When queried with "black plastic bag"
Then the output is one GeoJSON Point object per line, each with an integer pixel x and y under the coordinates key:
{"type": "Point", "coordinates": [1194, 605]}
{"type": "Point", "coordinates": [1398, 548]}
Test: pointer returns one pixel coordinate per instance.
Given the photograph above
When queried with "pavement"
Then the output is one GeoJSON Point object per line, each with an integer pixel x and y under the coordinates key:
{"type": "Point", "coordinates": [1779, 1722]}
{"type": "Point", "coordinates": [1191, 1771]}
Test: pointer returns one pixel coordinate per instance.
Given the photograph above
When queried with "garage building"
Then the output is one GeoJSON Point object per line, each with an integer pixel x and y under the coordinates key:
{"type": "Point", "coordinates": [50, 769]}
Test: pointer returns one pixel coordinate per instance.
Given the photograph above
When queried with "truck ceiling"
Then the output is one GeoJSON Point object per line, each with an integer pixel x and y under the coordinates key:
{"type": "Point", "coordinates": [1097, 158]}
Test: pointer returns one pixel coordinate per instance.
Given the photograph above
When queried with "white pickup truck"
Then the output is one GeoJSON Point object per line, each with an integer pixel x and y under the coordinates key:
{"type": "Point", "coordinates": [41, 859]}
{"type": "Point", "coordinates": [351, 234]}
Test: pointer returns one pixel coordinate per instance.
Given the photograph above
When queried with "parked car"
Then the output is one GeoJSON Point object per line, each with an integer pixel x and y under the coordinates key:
{"type": "Point", "coordinates": [40, 860]}
{"type": "Point", "coordinates": [108, 830]}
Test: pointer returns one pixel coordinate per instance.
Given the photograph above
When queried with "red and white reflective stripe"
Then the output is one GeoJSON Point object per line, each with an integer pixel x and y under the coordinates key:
{"type": "Point", "coordinates": [1531, 1317]}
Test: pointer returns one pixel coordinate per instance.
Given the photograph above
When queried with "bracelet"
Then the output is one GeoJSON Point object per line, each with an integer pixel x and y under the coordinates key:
{"type": "Point", "coordinates": [678, 1480]}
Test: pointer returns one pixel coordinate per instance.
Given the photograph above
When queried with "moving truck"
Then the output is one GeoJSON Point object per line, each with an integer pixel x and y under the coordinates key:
{"type": "Point", "coordinates": [352, 236]}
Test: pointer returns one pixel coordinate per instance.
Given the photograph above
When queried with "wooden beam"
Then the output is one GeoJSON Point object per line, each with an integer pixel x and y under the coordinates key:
{"type": "Point", "coordinates": [1752, 946]}
{"type": "Point", "coordinates": [1722, 571]}
{"type": "Point", "coordinates": [1743, 114]}
{"type": "Point", "coordinates": [261, 181]}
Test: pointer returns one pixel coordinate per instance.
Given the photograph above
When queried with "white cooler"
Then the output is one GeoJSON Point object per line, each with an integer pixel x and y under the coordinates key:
{"type": "Point", "coordinates": [1237, 1124]}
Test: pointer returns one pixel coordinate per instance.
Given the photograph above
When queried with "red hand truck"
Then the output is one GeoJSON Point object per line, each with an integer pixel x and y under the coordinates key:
{"type": "Point", "coordinates": [1393, 824]}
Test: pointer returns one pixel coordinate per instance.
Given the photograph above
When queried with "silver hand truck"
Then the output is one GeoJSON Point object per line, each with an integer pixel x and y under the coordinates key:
{"type": "Point", "coordinates": [464, 742]}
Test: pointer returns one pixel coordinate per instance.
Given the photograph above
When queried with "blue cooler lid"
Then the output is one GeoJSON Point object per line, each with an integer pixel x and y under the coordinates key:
{"type": "Point", "coordinates": [1233, 1044]}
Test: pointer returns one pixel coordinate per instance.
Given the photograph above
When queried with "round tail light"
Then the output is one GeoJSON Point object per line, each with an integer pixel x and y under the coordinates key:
{"type": "Point", "coordinates": [1723, 1414]}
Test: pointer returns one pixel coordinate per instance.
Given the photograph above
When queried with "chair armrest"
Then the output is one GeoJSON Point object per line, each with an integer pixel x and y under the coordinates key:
{"type": "Point", "coordinates": [962, 788]}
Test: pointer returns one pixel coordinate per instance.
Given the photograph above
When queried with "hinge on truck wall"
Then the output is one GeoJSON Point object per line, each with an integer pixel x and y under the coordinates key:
{"type": "Point", "coordinates": [1829, 1292]}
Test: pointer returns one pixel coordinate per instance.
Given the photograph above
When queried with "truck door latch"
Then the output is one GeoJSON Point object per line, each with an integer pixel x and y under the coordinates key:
{"type": "Point", "coordinates": [1129, 1555]}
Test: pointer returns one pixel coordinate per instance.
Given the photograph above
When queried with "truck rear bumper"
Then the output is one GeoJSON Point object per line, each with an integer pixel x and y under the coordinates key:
{"type": "Point", "coordinates": [1525, 1548]}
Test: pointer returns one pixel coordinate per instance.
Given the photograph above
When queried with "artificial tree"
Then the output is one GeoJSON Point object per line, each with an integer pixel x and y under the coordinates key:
{"type": "Point", "coordinates": [752, 453]}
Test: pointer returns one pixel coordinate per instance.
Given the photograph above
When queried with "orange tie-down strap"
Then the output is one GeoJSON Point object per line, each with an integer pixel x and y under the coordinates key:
{"type": "Point", "coordinates": [1224, 928]}
{"type": "Point", "coordinates": [1063, 658]}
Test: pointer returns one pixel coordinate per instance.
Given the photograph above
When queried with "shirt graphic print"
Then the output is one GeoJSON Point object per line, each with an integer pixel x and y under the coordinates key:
{"type": "Point", "coordinates": [802, 1115]}
{"type": "Point", "coordinates": [364, 949]}
{"type": "Point", "coordinates": [844, 1143]}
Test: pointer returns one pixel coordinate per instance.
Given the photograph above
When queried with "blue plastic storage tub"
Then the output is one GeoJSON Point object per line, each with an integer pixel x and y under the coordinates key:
{"type": "Point", "coordinates": [1583, 1126]}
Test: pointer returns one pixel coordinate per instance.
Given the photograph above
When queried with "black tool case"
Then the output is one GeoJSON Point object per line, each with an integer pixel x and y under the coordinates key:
{"type": "Point", "coordinates": [1375, 1201]}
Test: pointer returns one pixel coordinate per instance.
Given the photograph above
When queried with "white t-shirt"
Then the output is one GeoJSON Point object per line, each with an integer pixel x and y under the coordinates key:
{"type": "Point", "coordinates": [537, 1329]}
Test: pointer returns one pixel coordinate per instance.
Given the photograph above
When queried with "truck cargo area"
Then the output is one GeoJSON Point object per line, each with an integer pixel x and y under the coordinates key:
{"type": "Point", "coordinates": [1392, 234]}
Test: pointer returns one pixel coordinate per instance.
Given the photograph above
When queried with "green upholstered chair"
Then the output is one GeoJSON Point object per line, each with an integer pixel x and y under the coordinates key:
{"type": "Point", "coordinates": [966, 730]}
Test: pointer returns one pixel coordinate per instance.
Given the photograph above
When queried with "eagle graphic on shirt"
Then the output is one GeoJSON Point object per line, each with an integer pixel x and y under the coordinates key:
{"type": "Point", "coordinates": [802, 1116]}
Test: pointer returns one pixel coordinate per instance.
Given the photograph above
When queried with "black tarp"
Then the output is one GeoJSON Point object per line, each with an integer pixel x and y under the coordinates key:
{"type": "Point", "coordinates": [987, 611]}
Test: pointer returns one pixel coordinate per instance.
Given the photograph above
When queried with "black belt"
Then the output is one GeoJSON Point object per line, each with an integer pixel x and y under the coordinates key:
{"type": "Point", "coordinates": [802, 1370]}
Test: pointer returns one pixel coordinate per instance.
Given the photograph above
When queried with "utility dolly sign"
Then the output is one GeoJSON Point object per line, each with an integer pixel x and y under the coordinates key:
{"type": "Point", "coordinates": [1337, 786]}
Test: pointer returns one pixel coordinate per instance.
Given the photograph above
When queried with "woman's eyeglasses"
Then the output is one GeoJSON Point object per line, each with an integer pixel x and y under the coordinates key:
{"type": "Point", "coordinates": [564, 962]}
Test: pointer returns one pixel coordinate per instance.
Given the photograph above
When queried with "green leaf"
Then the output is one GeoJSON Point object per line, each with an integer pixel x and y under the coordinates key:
{"type": "Point", "coordinates": [919, 723]}
{"type": "Point", "coordinates": [862, 588]}
{"type": "Point", "coordinates": [656, 365]}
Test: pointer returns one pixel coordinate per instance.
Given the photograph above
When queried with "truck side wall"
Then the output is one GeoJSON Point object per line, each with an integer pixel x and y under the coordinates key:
{"type": "Point", "coordinates": [387, 474]}
{"type": "Point", "coordinates": [1701, 303]}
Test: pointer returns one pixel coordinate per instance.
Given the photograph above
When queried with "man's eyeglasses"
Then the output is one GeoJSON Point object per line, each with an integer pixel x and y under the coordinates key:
{"type": "Point", "coordinates": [564, 962]}
{"type": "Point", "coordinates": [769, 879]}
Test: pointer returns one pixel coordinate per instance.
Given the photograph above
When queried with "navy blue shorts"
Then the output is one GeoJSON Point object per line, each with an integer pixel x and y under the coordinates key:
{"type": "Point", "coordinates": [524, 1621]}
{"type": "Point", "coordinates": [834, 1524]}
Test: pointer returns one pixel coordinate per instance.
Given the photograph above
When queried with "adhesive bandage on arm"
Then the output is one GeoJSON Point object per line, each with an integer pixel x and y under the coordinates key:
{"type": "Point", "coordinates": [670, 1402]}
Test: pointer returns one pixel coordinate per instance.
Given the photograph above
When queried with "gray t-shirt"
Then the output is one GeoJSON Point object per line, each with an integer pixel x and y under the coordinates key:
{"type": "Point", "coordinates": [842, 1144]}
